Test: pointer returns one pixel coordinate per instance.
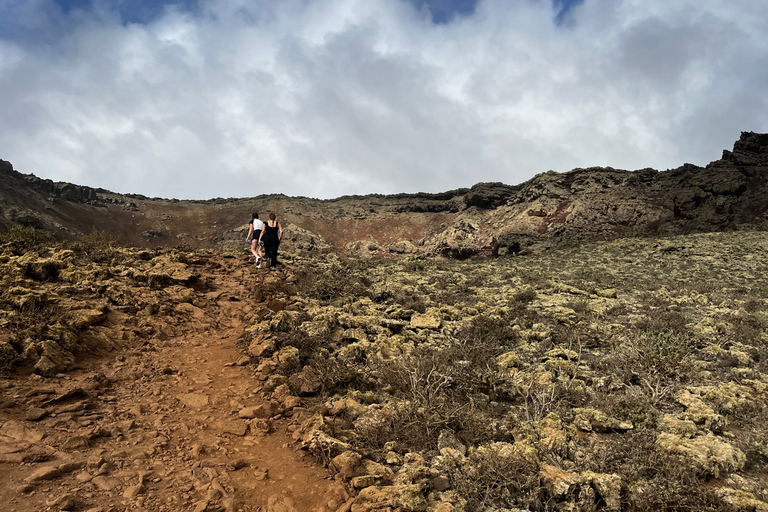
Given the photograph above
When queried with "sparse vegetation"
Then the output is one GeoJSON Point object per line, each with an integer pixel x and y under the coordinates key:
{"type": "Point", "coordinates": [581, 360]}
{"type": "Point", "coordinates": [591, 378]}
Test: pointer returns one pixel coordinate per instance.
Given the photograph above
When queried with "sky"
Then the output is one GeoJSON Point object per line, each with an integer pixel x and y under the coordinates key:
{"type": "Point", "coordinates": [197, 99]}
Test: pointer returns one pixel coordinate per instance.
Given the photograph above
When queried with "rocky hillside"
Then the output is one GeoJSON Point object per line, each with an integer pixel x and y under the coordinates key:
{"type": "Point", "coordinates": [484, 220]}
{"type": "Point", "coordinates": [629, 375]}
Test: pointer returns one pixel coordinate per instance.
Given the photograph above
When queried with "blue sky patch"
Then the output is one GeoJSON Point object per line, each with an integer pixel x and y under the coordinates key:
{"type": "Point", "coordinates": [131, 11]}
{"type": "Point", "coordinates": [443, 11]}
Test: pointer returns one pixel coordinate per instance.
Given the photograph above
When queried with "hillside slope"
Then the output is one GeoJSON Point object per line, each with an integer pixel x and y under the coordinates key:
{"type": "Point", "coordinates": [487, 219]}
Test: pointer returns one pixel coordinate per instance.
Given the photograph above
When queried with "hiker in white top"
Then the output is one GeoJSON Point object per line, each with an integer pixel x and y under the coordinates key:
{"type": "Point", "coordinates": [254, 233]}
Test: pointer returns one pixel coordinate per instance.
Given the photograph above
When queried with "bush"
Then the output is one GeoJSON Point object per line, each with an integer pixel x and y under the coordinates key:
{"type": "Point", "coordinates": [98, 246]}
{"type": "Point", "coordinates": [657, 362]}
{"type": "Point", "coordinates": [652, 479]}
{"type": "Point", "coordinates": [23, 239]}
{"type": "Point", "coordinates": [492, 479]}
{"type": "Point", "coordinates": [631, 405]}
{"type": "Point", "coordinates": [339, 281]}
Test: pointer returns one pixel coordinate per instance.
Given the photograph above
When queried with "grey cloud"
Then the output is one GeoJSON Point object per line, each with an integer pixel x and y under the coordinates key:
{"type": "Point", "coordinates": [337, 97]}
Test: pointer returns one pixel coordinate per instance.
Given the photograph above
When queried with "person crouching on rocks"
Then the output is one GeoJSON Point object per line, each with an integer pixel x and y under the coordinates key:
{"type": "Point", "coordinates": [254, 238]}
{"type": "Point", "coordinates": [271, 236]}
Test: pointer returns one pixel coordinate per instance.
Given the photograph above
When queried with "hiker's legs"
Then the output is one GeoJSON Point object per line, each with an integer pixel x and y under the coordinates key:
{"type": "Point", "coordinates": [271, 252]}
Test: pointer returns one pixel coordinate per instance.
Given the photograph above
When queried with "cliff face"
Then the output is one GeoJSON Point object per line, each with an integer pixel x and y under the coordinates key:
{"type": "Point", "coordinates": [487, 219]}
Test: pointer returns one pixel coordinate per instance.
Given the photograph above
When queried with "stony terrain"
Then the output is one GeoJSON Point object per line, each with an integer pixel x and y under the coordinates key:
{"type": "Point", "coordinates": [124, 387]}
{"type": "Point", "coordinates": [623, 375]}
{"type": "Point", "coordinates": [485, 220]}
{"type": "Point", "coordinates": [628, 375]}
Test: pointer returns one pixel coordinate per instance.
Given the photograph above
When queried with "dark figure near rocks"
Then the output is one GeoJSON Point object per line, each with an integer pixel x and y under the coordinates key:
{"type": "Point", "coordinates": [271, 236]}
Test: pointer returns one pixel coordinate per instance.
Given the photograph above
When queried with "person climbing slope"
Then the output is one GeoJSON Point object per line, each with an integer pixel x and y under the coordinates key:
{"type": "Point", "coordinates": [271, 235]}
{"type": "Point", "coordinates": [254, 238]}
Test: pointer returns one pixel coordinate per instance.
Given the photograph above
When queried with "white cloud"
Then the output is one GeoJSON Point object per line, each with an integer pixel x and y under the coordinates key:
{"type": "Point", "coordinates": [330, 97]}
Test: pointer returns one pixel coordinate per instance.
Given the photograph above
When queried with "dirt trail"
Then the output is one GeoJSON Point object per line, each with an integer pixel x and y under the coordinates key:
{"type": "Point", "coordinates": [158, 428]}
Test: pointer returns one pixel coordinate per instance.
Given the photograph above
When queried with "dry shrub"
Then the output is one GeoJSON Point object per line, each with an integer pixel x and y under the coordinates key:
{"type": "Point", "coordinates": [409, 298]}
{"type": "Point", "coordinates": [525, 296]}
{"type": "Point", "coordinates": [490, 479]}
{"type": "Point", "coordinates": [335, 375]}
{"type": "Point", "coordinates": [630, 405]}
{"type": "Point", "coordinates": [445, 387]}
{"type": "Point", "coordinates": [657, 362]}
{"type": "Point", "coordinates": [306, 344]}
{"type": "Point", "coordinates": [748, 328]}
{"type": "Point", "coordinates": [22, 239]}
{"type": "Point", "coordinates": [97, 246]}
{"type": "Point", "coordinates": [754, 442]}
{"type": "Point", "coordinates": [663, 321]}
{"type": "Point", "coordinates": [579, 306]}
{"type": "Point", "coordinates": [339, 281]}
{"type": "Point", "coordinates": [652, 479]}
{"type": "Point", "coordinates": [9, 358]}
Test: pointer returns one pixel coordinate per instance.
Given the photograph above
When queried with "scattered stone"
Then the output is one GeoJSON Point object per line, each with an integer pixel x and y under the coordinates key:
{"type": "Point", "coordinates": [126, 425]}
{"type": "Point", "coordinates": [133, 491]}
{"type": "Point", "coordinates": [36, 414]}
{"type": "Point", "coordinates": [69, 467]}
{"type": "Point", "coordinates": [348, 464]}
{"type": "Point", "coordinates": [43, 474]}
{"type": "Point", "coordinates": [447, 439]}
{"type": "Point", "coordinates": [75, 443]}
{"type": "Point", "coordinates": [83, 477]}
{"type": "Point", "coordinates": [261, 426]}
{"type": "Point", "coordinates": [236, 428]}
{"type": "Point", "coordinates": [82, 318]}
{"type": "Point", "coordinates": [194, 400]}
{"type": "Point", "coordinates": [281, 503]}
{"type": "Point", "coordinates": [64, 502]}
{"type": "Point", "coordinates": [291, 402]}
{"type": "Point", "coordinates": [266, 410]}
{"type": "Point", "coordinates": [53, 360]}
{"type": "Point", "coordinates": [426, 321]}
{"type": "Point", "coordinates": [247, 413]}
{"type": "Point", "coordinates": [106, 483]}
{"type": "Point", "coordinates": [261, 347]}
{"type": "Point", "coordinates": [25, 488]}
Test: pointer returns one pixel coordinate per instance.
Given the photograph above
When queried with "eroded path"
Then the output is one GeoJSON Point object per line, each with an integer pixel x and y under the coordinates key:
{"type": "Point", "coordinates": [167, 426]}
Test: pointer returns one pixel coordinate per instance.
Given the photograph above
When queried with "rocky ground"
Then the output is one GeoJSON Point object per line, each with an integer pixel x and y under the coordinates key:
{"type": "Point", "coordinates": [624, 375]}
{"type": "Point", "coordinates": [628, 375]}
{"type": "Point", "coordinates": [139, 397]}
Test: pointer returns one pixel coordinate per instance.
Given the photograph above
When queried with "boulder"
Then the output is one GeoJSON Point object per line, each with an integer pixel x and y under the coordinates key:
{"type": "Point", "coordinates": [53, 359]}
{"type": "Point", "coordinates": [348, 464]}
{"type": "Point", "coordinates": [408, 498]}
{"type": "Point", "coordinates": [590, 420]}
{"type": "Point", "coordinates": [82, 318]}
{"type": "Point", "coordinates": [708, 454]}
{"type": "Point", "coordinates": [261, 347]}
{"type": "Point", "coordinates": [426, 321]}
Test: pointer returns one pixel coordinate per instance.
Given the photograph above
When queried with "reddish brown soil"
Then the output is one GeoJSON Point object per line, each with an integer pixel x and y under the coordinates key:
{"type": "Point", "coordinates": [166, 416]}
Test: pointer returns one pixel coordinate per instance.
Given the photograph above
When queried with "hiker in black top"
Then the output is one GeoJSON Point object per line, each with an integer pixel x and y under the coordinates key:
{"type": "Point", "coordinates": [271, 236]}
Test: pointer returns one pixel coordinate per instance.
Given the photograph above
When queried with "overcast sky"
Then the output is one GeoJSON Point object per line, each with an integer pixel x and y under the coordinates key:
{"type": "Point", "coordinates": [195, 99]}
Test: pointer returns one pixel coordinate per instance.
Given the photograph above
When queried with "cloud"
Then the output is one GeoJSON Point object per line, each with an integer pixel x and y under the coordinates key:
{"type": "Point", "coordinates": [329, 97]}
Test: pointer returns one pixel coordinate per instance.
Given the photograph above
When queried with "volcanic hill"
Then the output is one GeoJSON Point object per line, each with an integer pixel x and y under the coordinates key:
{"type": "Point", "coordinates": [488, 219]}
